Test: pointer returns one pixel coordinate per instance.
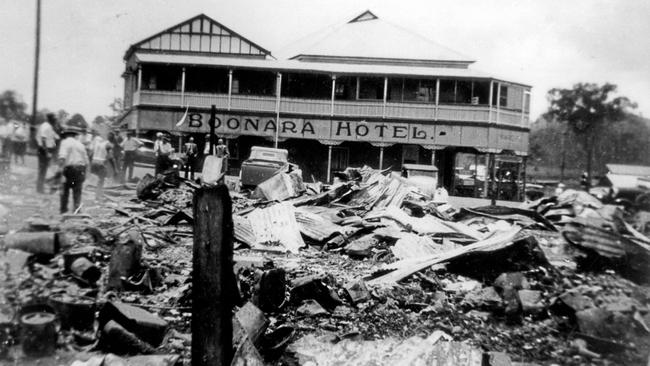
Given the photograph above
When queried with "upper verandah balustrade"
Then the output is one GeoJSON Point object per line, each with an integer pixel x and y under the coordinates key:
{"type": "Point", "coordinates": [480, 100]}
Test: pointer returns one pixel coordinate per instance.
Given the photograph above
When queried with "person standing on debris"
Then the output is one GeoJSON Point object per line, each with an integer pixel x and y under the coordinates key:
{"type": "Point", "coordinates": [157, 148]}
{"type": "Point", "coordinates": [73, 159]}
{"type": "Point", "coordinates": [116, 154]}
{"type": "Point", "coordinates": [46, 141]}
{"type": "Point", "coordinates": [163, 154]}
{"type": "Point", "coordinates": [19, 141]}
{"type": "Point", "coordinates": [100, 157]}
{"type": "Point", "coordinates": [221, 151]}
{"type": "Point", "coordinates": [130, 147]}
{"type": "Point", "coordinates": [191, 151]}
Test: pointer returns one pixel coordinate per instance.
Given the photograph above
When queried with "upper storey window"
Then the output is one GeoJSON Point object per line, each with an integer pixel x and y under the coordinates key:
{"type": "Point", "coordinates": [371, 88]}
{"type": "Point", "coordinates": [464, 92]}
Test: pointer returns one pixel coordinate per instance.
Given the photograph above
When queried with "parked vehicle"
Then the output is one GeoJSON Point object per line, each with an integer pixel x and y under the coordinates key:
{"type": "Point", "coordinates": [145, 155]}
{"type": "Point", "coordinates": [263, 163]}
{"type": "Point", "coordinates": [424, 177]}
{"type": "Point", "coordinates": [624, 185]}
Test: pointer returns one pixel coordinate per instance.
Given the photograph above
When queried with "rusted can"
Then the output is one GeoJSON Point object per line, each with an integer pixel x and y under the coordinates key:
{"type": "Point", "coordinates": [74, 312]}
{"type": "Point", "coordinates": [86, 270]}
{"type": "Point", "coordinates": [39, 334]}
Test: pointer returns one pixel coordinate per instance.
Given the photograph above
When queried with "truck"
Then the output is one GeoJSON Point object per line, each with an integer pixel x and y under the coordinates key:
{"type": "Point", "coordinates": [424, 177]}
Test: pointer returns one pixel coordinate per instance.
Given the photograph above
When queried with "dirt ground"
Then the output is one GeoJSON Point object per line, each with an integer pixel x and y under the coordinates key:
{"type": "Point", "coordinates": [416, 307]}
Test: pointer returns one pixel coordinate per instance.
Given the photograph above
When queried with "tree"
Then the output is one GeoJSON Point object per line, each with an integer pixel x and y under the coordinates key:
{"type": "Point", "coordinates": [587, 109]}
{"type": "Point", "coordinates": [12, 106]}
{"type": "Point", "coordinates": [117, 108]}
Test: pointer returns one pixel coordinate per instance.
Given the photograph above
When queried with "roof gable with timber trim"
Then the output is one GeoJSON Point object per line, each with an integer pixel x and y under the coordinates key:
{"type": "Point", "coordinates": [367, 39]}
{"type": "Point", "coordinates": [366, 15]}
{"type": "Point", "coordinates": [200, 34]}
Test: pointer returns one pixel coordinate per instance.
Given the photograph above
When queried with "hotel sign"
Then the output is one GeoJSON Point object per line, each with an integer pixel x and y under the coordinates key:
{"type": "Point", "coordinates": [440, 133]}
{"type": "Point", "coordinates": [313, 128]}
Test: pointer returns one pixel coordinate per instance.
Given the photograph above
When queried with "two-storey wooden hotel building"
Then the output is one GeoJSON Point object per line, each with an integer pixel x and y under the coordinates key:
{"type": "Point", "coordinates": [365, 92]}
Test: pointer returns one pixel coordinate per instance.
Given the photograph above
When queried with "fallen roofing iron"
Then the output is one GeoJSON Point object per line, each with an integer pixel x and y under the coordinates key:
{"type": "Point", "coordinates": [407, 267]}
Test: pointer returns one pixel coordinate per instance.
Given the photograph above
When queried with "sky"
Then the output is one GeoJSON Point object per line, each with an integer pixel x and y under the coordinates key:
{"type": "Point", "coordinates": [543, 43]}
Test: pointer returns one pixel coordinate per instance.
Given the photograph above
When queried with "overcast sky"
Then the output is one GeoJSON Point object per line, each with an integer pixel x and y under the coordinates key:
{"type": "Point", "coordinates": [543, 43]}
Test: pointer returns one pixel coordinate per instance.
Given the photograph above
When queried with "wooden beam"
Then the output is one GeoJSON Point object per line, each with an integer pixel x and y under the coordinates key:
{"type": "Point", "coordinates": [229, 89]}
{"type": "Point", "coordinates": [385, 96]}
{"type": "Point", "coordinates": [183, 87]}
{"type": "Point", "coordinates": [329, 162]}
{"type": "Point", "coordinates": [333, 94]}
{"type": "Point", "coordinates": [278, 95]}
{"type": "Point", "coordinates": [212, 275]}
{"type": "Point", "coordinates": [437, 98]}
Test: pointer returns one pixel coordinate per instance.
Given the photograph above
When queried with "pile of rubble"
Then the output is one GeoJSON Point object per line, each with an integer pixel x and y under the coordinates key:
{"type": "Point", "coordinates": [366, 271]}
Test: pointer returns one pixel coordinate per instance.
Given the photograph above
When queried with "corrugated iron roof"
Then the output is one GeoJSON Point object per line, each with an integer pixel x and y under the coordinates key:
{"type": "Point", "coordinates": [368, 36]}
{"type": "Point", "coordinates": [625, 169]}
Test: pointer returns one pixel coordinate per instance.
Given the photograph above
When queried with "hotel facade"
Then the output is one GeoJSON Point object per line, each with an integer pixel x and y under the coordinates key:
{"type": "Point", "coordinates": [365, 92]}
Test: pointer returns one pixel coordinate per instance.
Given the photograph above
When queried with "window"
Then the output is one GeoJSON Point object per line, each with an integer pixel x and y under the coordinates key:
{"type": "Point", "coordinates": [307, 86]}
{"type": "Point", "coordinates": [527, 102]}
{"type": "Point", "coordinates": [463, 92]}
{"type": "Point", "coordinates": [411, 90]}
{"type": "Point", "coordinates": [155, 77]}
{"type": "Point", "coordinates": [340, 158]}
{"type": "Point", "coordinates": [346, 88]}
{"type": "Point", "coordinates": [410, 154]}
{"type": "Point", "coordinates": [503, 98]}
{"type": "Point", "coordinates": [447, 91]}
{"type": "Point", "coordinates": [206, 80]}
{"type": "Point", "coordinates": [371, 88]}
{"type": "Point", "coordinates": [481, 92]}
{"type": "Point", "coordinates": [254, 82]}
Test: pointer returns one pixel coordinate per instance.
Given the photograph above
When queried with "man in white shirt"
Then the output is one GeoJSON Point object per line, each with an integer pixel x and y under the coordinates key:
{"type": "Point", "coordinates": [100, 156]}
{"type": "Point", "coordinates": [74, 160]}
{"type": "Point", "coordinates": [157, 149]}
{"type": "Point", "coordinates": [46, 142]}
{"type": "Point", "coordinates": [130, 147]}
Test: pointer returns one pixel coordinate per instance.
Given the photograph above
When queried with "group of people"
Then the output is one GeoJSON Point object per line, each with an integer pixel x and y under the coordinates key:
{"type": "Point", "coordinates": [13, 140]}
{"type": "Point", "coordinates": [76, 155]}
{"type": "Point", "coordinates": [191, 150]}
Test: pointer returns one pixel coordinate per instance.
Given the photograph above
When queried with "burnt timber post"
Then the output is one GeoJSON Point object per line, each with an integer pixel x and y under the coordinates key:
{"type": "Point", "coordinates": [212, 302]}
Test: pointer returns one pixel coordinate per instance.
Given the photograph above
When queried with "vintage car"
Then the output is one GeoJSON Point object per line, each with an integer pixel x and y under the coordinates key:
{"type": "Point", "coordinates": [263, 163]}
{"type": "Point", "coordinates": [624, 185]}
{"type": "Point", "coordinates": [145, 155]}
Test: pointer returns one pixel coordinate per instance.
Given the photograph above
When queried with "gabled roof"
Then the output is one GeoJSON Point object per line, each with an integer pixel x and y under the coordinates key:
{"type": "Point", "coordinates": [200, 34]}
{"type": "Point", "coordinates": [368, 39]}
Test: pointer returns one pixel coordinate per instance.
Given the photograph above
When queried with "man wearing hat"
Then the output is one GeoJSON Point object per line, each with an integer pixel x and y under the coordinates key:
{"type": "Point", "coordinates": [191, 151]}
{"type": "Point", "coordinates": [163, 153]}
{"type": "Point", "coordinates": [73, 160]}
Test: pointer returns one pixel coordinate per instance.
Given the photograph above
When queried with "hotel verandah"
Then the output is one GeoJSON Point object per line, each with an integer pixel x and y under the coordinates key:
{"type": "Point", "coordinates": [364, 92]}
